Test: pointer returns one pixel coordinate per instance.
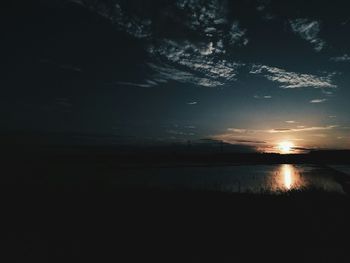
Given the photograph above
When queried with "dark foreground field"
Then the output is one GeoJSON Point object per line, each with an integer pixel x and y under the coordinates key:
{"type": "Point", "coordinates": [55, 212]}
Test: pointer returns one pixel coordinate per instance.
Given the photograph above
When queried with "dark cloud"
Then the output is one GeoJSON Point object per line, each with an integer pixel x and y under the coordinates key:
{"type": "Point", "coordinates": [250, 141]}
{"type": "Point", "coordinates": [227, 147]}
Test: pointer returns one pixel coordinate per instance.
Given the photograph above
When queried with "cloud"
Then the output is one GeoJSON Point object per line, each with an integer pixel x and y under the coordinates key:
{"type": "Point", "coordinates": [177, 132]}
{"type": "Point", "coordinates": [237, 36]}
{"type": "Point", "coordinates": [303, 149]}
{"type": "Point", "coordinates": [209, 18]}
{"type": "Point", "coordinates": [200, 15]}
{"type": "Point", "coordinates": [305, 129]}
{"type": "Point", "coordinates": [192, 60]}
{"type": "Point", "coordinates": [192, 103]}
{"type": "Point", "coordinates": [167, 72]}
{"type": "Point", "coordinates": [320, 135]}
{"type": "Point", "coordinates": [262, 97]}
{"type": "Point", "coordinates": [282, 130]}
{"type": "Point", "coordinates": [136, 26]}
{"type": "Point", "coordinates": [291, 122]}
{"type": "Point", "coordinates": [195, 59]}
{"type": "Point", "coordinates": [233, 139]}
{"type": "Point", "coordinates": [308, 30]}
{"type": "Point", "coordinates": [343, 58]}
{"type": "Point", "coordinates": [327, 92]}
{"type": "Point", "coordinates": [318, 100]}
{"type": "Point", "coordinates": [237, 130]}
{"type": "Point", "coordinates": [207, 50]}
{"type": "Point", "coordinates": [228, 146]}
{"type": "Point", "coordinates": [249, 141]}
{"type": "Point", "coordinates": [292, 80]}
{"type": "Point", "coordinates": [262, 7]}
{"type": "Point", "coordinates": [141, 85]}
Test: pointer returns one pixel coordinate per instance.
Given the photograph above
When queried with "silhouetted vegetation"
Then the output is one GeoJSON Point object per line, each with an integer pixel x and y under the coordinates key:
{"type": "Point", "coordinates": [64, 207]}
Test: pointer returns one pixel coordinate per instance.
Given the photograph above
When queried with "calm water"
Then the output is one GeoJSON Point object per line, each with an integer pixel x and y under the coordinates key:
{"type": "Point", "coordinates": [242, 178]}
{"type": "Point", "coordinates": [342, 168]}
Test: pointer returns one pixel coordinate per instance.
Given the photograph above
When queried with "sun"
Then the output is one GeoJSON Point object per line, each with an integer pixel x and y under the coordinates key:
{"type": "Point", "coordinates": [285, 147]}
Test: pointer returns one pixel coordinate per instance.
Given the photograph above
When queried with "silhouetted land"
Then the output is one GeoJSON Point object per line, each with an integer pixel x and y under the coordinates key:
{"type": "Point", "coordinates": [59, 206]}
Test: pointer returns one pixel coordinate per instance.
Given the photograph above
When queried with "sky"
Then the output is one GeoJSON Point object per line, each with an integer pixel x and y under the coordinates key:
{"type": "Point", "coordinates": [251, 73]}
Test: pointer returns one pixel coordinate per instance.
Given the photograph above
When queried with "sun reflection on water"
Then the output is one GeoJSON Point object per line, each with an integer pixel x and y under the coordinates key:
{"type": "Point", "coordinates": [287, 177]}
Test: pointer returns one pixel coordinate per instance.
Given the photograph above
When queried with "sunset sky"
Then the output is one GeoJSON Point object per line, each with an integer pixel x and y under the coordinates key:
{"type": "Point", "coordinates": [253, 73]}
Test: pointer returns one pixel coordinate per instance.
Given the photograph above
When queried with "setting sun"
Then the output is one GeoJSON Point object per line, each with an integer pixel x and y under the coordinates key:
{"type": "Point", "coordinates": [285, 147]}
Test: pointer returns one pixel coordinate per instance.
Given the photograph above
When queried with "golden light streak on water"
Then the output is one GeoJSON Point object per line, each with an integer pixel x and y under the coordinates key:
{"type": "Point", "coordinates": [287, 173]}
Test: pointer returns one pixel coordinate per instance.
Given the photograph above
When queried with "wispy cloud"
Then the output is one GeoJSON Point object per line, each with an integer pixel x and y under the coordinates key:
{"type": "Point", "coordinates": [196, 59]}
{"type": "Point", "coordinates": [249, 141]}
{"type": "Point", "coordinates": [305, 129]}
{"type": "Point", "coordinates": [262, 97]}
{"type": "Point", "coordinates": [291, 122]}
{"type": "Point", "coordinates": [320, 135]}
{"type": "Point", "coordinates": [167, 72]}
{"type": "Point", "coordinates": [237, 130]}
{"type": "Point", "coordinates": [327, 92]}
{"type": "Point", "coordinates": [192, 103]}
{"type": "Point", "coordinates": [141, 85]}
{"type": "Point", "coordinates": [232, 138]}
{"type": "Point", "coordinates": [308, 30]}
{"type": "Point", "coordinates": [179, 58]}
{"type": "Point", "coordinates": [282, 130]}
{"type": "Point", "coordinates": [318, 100]}
{"type": "Point", "coordinates": [343, 58]}
{"type": "Point", "coordinates": [292, 80]}
{"type": "Point", "coordinates": [177, 132]}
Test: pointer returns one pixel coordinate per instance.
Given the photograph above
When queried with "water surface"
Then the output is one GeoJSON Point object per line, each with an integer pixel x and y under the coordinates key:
{"type": "Point", "coordinates": [342, 168]}
{"type": "Point", "coordinates": [240, 178]}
